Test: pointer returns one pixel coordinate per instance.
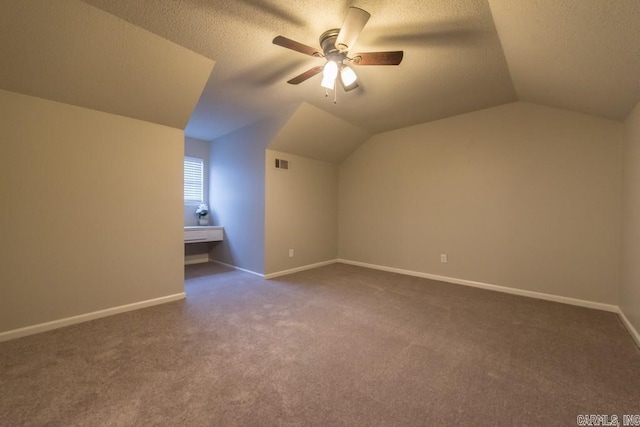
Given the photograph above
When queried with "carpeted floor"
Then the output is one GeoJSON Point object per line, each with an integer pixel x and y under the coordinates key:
{"type": "Point", "coordinates": [338, 345]}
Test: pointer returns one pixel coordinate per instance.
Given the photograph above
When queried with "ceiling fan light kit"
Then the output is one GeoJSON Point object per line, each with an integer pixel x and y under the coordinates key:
{"type": "Point", "coordinates": [336, 44]}
{"type": "Point", "coordinates": [329, 75]}
{"type": "Point", "coordinates": [347, 75]}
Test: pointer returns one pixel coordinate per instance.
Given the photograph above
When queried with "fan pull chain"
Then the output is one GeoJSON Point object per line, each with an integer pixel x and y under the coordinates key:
{"type": "Point", "coordinates": [335, 94]}
{"type": "Point", "coordinates": [326, 93]}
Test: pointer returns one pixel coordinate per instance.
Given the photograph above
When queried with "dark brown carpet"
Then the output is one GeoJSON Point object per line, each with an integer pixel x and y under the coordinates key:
{"type": "Point", "coordinates": [338, 345]}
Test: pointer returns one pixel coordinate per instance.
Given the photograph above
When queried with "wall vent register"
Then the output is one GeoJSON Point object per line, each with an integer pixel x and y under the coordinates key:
{"type": "Point", "coordinates": [283, 164]}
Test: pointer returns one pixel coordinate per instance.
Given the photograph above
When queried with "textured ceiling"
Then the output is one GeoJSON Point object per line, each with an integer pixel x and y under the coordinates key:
{"type": "Point", "coordinates": [582, 55]}
{"type": "Point", "coordinates": [460, 56]}
{"type": "Point", "coordinates": [70, 52]}
{"type": "Point", "coordinates": [453, 59]}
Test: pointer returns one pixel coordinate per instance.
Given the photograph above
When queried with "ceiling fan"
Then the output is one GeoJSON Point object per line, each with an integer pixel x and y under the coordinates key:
{"type": "Point", "coordinates": [335, 46]}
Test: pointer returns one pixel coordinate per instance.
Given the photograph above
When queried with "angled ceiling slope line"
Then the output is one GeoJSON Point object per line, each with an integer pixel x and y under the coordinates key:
{"type": "Point", "coordinates": [259, 133]}
{"type": "Point", "coordinates": [582, 56]}
{"type": "Point", "coordinates": [70, 52]}
{"type": "Point", "coordinates": [314, 133]}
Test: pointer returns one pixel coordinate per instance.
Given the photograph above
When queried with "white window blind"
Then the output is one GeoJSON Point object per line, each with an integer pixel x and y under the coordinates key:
{"type": "Point", "coordinates": [193, 182]}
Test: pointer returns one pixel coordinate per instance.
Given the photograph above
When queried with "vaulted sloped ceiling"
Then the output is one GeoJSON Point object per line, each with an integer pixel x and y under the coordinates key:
{"type": "Point", "coordinates": [460, 55]}
{"type": "Point", "coordinates": [581, 55]}
{"type": "Point", "coordinates": [453, 59]}
{"type": "Point", "coordinates": [316, 134]}
{"type": "Point", "coordinates": [70, 52]}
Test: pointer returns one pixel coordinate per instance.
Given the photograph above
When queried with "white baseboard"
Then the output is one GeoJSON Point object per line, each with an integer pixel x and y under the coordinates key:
{"type": "Point", "coordinates": [279, 273]}
{"type": "Point", "coordinates": [237, 268]}
{"type": "Point", "coordinates": [497, 288]}
{"type": "Point", "coordinates": [297, 269]}
{"type": "Point", "coordinates": [634, 333]}
{"type": "Point", "coordinates": [55, 324]}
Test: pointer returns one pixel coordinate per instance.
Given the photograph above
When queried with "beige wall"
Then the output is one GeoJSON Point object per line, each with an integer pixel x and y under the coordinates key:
{"type": "Point", "coordinates": [630, 289]}
{"type": "Point", "coordinates": [91, 211]}
{"type": "Point", "coordinates": [519, 195]}
{"type": "Point", "coordinates": [301, 212]}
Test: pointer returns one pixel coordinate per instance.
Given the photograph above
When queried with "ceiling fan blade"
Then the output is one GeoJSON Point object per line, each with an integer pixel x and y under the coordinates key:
{"type": "Point", "coordinates": [298, 47]}
{"type": "Point", "coordinates": [353, 24]}
{"type": "Point", "coordinates": [306, 75]}
{"type": "Point", "coordinates": [378, 58]}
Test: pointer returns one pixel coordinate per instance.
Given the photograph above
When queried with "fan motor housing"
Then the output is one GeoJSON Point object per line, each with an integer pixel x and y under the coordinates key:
{"type": "Point", "coordinates": [328, 45]}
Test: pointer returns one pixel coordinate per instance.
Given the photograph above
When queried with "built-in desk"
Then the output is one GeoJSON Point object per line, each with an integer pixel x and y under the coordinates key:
{"type": "Point", "coordinates": [195, 254]}
{"type": "Point", "coordinates": [203, 233]}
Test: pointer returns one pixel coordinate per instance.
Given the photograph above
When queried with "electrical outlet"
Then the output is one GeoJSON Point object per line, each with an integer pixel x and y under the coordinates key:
{"type": "Point", "coordinates": [443, 258]}
{"type": "Point", "coordinates": [290, 253]}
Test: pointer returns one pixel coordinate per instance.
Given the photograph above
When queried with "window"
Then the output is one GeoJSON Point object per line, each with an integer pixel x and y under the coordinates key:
{"type": "Point", "coordinates": [193, 180]}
